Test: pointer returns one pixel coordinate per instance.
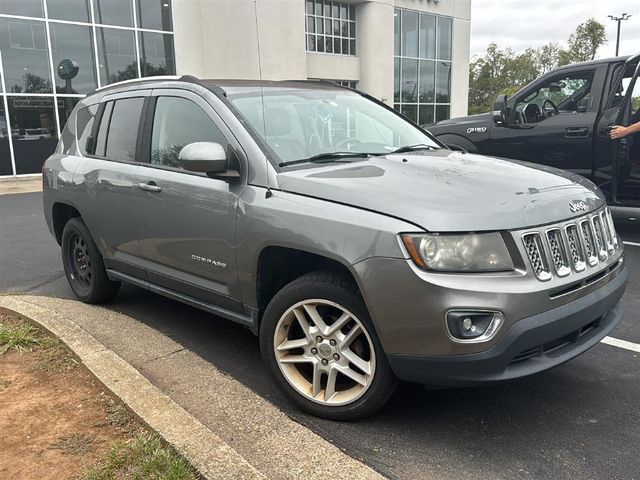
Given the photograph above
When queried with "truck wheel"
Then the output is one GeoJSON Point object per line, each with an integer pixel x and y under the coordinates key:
{"type": "Point", "coordinates": [319, 344]}
{"type": "Point", "coordinates": [83, 265]}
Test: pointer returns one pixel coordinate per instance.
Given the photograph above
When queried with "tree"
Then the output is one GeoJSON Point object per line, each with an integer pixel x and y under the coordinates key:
{"type": "Point", "coordinates": [32, 83]}
{"type": "Point", "coordinates": [547, 57]}
{"type": "Point", "coordinates": [504, 71]}
{"type": "Point", "coordinates": [584, 43]}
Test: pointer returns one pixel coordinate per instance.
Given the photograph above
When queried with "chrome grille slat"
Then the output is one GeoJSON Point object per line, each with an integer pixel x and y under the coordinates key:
{"type": "Point", "coordinates": [575, 247]}
{"type": "Point", "coordinates": [588, 242]}
{"type": "Point", "coordinates": [537, 256]}
{"type": "Point", "coordinates": [599, 236]}
{"type": "Point", "coordinates": [612, 229]}
{"type": "Point", "coordinates": [604, 222]}
{"type": "Point", "coordinates": [558, 252]}
{"type": "Point", "coordinates": [571, 246]}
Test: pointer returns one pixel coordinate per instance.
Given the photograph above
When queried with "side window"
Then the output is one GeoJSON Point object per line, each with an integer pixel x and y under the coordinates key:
{"type": "Point", "coordinates": [568, 93]}
{"type": "Point", "coordinates": [101, 139]}
{"type": "Point", "coordinates": [84, 124]}
{"type": "Point", "coordinates": [178, 122]}
{"type": "Point", "coordinates": [622, 89]}
{"type": "Point", "coordinates": [123, 129]}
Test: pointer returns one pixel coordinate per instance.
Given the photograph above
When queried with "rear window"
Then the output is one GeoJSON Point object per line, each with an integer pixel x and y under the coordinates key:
{"type": "Point", "coordinates": [118, 133]}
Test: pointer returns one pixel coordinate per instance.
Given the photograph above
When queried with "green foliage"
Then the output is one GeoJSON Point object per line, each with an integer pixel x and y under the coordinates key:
{"type": "Point", "coordinates": [143, 458]}
{"type": "Point", "coordinates": [17, 336]}
{"type": "Point", "coordinates": [584, 43]}
{"type": "Point", "coordinates": [504, 71]}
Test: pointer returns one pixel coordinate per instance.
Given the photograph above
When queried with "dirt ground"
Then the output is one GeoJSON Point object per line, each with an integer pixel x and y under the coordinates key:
{"type": "Point", "coordinates": [53, 425]}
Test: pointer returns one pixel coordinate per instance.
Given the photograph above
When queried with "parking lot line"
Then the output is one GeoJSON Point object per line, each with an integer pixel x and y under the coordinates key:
{"type": "Point", "coordinates": [633, 244]}
{"type": "Point", "coordinates": [616, 342]}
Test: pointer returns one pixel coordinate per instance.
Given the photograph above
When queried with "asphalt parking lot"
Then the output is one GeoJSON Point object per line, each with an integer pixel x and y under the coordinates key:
{"type": "Point", "coordinates": [581, 420]}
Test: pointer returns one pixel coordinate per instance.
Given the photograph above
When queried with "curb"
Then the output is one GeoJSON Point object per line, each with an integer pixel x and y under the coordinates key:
{"type": "Point", "coordinates": [207, 452]}
{"type": "Point", "coordinates": [12, 185]}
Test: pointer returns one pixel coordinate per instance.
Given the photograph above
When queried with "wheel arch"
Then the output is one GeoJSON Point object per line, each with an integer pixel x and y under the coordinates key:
{"type": "Point", "coordinates": [279, 265]}
{"type": "Point", "coordinates": [458, 140]}
{"type": "Point", "coordinates": [61, 213]}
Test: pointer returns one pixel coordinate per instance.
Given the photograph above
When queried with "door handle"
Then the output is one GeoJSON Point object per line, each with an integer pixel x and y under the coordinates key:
{"type": "Point", "coordinates": [149, 187]}
{"type": "Point", "coordinates": [576, 132]}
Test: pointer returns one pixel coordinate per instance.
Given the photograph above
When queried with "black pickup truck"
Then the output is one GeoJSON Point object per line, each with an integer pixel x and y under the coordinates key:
{"type": "Point", "coordinates": [562, 119]}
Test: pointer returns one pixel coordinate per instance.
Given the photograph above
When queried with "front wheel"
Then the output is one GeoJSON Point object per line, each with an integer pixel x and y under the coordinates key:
{"type": "Point", "coordinates": [319, 344]}
{"type": "Point", "coordinates": [83, 264]}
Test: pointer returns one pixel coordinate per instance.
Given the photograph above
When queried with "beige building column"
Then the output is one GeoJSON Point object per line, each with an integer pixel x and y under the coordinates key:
{"type": "Point", "coordinates": [375, 48]}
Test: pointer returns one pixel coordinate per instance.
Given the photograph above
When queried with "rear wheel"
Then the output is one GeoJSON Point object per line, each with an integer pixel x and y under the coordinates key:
{"type": "Point", "coordinates": [83, 265]}
{"type": "Point", "coordinates": [320, 346]}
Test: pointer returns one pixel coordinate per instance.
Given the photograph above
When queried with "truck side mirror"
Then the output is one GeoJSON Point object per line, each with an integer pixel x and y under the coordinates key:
{"type": "Point", "coordinates": [500, 110]}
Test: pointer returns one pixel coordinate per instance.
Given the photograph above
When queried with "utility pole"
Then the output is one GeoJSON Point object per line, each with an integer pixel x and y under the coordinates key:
{"type": "Point", "coordinates": [619, 19]}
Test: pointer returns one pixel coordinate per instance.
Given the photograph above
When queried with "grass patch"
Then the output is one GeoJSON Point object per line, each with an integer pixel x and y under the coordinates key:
{"type": "Point", "coordinates": [145, 457]}
{"type": "Point", "coordinates": [18, 336]}
{"type": "Point", "coordinates": [55, 357]}
{"type": "Point", "coordinates": [119, 416]}
{"type": "Point", "coordinates": [74, 444]}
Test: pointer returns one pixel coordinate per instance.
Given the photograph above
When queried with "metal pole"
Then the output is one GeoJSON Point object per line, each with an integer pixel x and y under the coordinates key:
{"type": "Point", "coordinates": [619, 19]}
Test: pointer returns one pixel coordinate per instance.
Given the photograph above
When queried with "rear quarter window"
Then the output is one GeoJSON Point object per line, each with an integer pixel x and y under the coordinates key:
{"type": "Point", "coordinates": [67, 142]}
{"type": "Point", "coordinates": [84, 126]}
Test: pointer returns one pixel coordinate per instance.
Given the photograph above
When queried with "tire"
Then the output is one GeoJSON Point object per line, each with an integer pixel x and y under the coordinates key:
{"type": "Point", "coordinates": [354, 377]}
{"type": "Point", "coordinates": [84, 266]}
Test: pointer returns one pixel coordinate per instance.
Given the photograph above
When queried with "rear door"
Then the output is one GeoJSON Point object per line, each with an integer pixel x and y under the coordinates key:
{"type": "Point", "coordinates": [106, 177]}
{"type": "Point", "coordinates": [187, 221]}
{"type": "Point", "coordinates": [617, 166]}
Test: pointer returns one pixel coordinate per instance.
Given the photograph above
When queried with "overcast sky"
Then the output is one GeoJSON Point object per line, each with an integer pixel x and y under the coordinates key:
{"type": "Point", "coordinates": [520, 24]}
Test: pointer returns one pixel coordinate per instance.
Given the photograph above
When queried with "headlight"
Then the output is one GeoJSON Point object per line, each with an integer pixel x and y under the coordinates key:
{"type": "Point", "coordinates": [471, 252]}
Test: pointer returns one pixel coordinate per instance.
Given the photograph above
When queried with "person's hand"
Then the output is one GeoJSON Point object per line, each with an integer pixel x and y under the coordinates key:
{"type": "Point", "coordinates": [618, 132]}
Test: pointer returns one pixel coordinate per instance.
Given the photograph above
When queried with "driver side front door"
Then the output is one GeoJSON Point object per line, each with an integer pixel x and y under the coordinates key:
{"type": "Point", "coordinates": [561, 139]}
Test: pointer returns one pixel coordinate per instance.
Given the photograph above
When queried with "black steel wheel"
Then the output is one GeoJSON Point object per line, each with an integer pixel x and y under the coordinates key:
{"type": "Point", "coordinates": [83, 265]}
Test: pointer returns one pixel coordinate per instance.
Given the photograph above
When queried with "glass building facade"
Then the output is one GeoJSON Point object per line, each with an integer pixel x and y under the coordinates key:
{"type": "Point", "coordinates": [422, 65]}
{"type": "Point", "coordinates": [54, 52]}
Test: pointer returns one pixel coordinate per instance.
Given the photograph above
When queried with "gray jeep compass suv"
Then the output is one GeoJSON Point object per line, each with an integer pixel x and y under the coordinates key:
{"type": "Point", "coordinates": [359, 248]}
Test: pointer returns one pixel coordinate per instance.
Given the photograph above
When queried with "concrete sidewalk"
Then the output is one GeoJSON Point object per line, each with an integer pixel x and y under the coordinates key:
{"type": "Point", "coordinates": [246, 437]}
{"type": "Point", "coordinates": [20, 185]}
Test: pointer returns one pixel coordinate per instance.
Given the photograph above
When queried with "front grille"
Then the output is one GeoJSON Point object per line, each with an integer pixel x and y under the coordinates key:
{"type": "Point", "coordinates": [573, 246]}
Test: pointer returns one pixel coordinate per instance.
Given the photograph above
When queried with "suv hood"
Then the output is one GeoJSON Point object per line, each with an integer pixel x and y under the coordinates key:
{"type": "Point", "coordinates": [445, 191]}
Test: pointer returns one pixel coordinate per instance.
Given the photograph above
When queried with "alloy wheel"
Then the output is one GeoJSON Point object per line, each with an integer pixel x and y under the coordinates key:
{"type": "Point", "coordinates": [325, 352]}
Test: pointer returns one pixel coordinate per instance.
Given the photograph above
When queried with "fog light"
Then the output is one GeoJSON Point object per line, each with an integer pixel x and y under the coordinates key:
{"type": "Point", "coordinates": [472, 326]}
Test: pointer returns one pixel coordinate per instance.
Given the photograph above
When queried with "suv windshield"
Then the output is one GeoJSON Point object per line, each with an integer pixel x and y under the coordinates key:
{"type": "Point", "coordinates": [306, 123]}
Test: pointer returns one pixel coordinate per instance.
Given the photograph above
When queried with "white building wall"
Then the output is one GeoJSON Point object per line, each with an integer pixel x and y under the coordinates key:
{"type": "Point", "coordinates": [218, 39]}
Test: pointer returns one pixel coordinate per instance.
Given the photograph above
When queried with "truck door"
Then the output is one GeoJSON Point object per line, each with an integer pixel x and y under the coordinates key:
{"type": "Point", "coordinates": [552, 121]}
{"type": "Point", "coordinates": [617, 163]}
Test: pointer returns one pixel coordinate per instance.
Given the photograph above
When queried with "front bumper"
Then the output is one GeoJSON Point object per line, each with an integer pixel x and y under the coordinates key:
{"type": "Point", "coordinates": [528, 346]}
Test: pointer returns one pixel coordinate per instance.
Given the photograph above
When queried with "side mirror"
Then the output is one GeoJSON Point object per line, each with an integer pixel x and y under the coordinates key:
{"type": "Point", "coordinates": [500, 110]}
{"type": "Point", "coordinates": [204, 157]}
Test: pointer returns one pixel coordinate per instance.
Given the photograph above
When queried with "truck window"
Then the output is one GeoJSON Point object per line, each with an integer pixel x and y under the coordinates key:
{"type": "Point", "coordinates": [568, 93]}
{"type": "Point", "coordinates": [620, 91]}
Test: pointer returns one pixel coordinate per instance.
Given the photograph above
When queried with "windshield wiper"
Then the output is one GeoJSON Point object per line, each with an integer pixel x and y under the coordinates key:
{"type": "Point", "coordinates": [327, 157]}
{"type": "Point", "coordinates": [411, 148]}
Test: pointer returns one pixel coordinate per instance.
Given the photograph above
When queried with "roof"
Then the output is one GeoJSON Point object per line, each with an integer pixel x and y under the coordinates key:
{"type": "Point", "coordinates": [598, 61]}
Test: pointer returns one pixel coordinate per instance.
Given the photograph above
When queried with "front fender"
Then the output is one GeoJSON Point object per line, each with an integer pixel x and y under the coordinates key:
{"type": "Point", "coordinates": [339, 232]}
